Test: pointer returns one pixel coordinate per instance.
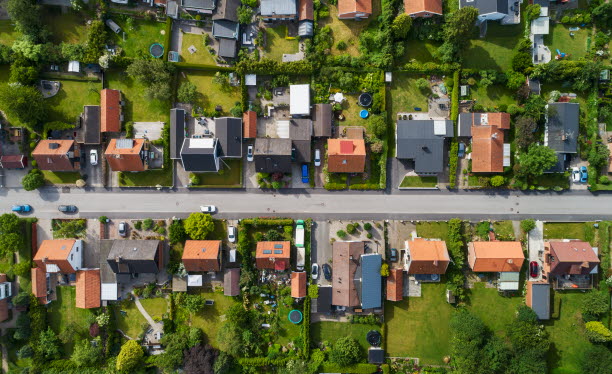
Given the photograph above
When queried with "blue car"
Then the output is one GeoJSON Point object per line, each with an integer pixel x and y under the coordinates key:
{"type": "Point", "coordinates": [461, 151]}
{"type": "Point", "coordinates": [21, 208]}
{"type": "Point", "coordinates": [584, 175]}
{"type": "Point", "coordinates": [305, 178]}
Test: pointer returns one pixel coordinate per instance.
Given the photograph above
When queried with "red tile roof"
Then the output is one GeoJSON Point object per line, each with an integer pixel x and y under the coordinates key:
{"type": "Point", "coordinates": [352, 7]}
{"type": "Point", "coordinates": [88, 288]}
{"type": "Point", "coordinates": [423, 6]}
{"type": "Point", "coordinates": [12, 161]}
{"type": "Point", "coordinates": [494, 257]}
{"type": "Point", "coordinates": [571, 257]}
{"type": "Point", "coordinates": [202, 255]}
{"type": "Point", "coordinates": [56, 252]}
{"type": "Point", "coordinates": [395, 285]}
{"type": "Point", "coordinates": [305, 11]}
{"type": "Point", "coordinates": [487, 149]}
{"type": "Point", "coordinates": [273, 255]}
{"type": "Point", "coordinates": [55, 159]}
{"type": "Point", "coordinates": [249, 121]}
{"type": "Point", "coordinates": [298, 284]}
{"type": "Point", "coordinates": [39, 282]}
{"type": "Point", "coordinates": [110, 110]}
{"type": "Point", "coordinates": [231, 282]}
{"type": "Point", "coordinates": [125, 159]}
{"type": "Point", "coordinates": [4, 314]}
{"type": "Point", "coordinates": [346, 256]}
{"type": "Point", "coordinates": [346, 155]}
{"type": "Point", "coordinates": [427, 256]}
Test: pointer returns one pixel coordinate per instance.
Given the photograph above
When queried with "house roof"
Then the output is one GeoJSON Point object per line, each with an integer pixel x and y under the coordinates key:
{"type": "Point", "coordinates": [322, 118]}
{"type": "Point", "coordinates": [200, 155]}
{"type": "Point", "coordinates": [306, 28]}
{"type": "Point", "coordinates": [199, 4]}
{"type": "Point", "coordinates": [354, 6]}
{"type": "Point", "coordinates": [538, 299]}
{"type": "Point", "coordinates": [487, 149]}
{"type": "Point", "coordinates": [227, 47]}
{"type": "Point", "coordinates": [376, 355]}
{"type": "Point", "coordinates": [89, 133]}
{"type": "Point", "coordinates": [427, 256]}
{"type": "Point", "coordinates": [323, 303]}
{"type": "Point", "coordinates": [495, 256]}
{"type": "Point", "coordinates": [231, 282]}
{"type": "Point", "coordinates": [346, 260]}
{"type": "Point", "coordinates": [299, 99]}
{"type": "Point", "coordinates": [54, 249]}
{"type": "Point", "coordinates": [201, 255]}
{"type": "Point", "coordinates": [110, 105]}
{"type": "Point", "coordinates": [561, 130]}
{"type": "Point", "coordinates": [298, 284]}
{"type": "Point", "coordinates": [12, 161]}
{"type": "Point", "coordinates": [273, 255]}
{"type": "Point", "coordinates": [227, 10]}
{"type": "Point", "coordinates": [229, 132]}
{"type": "Point", "coordinates": [300, 132]}
{"type": "Point", "coordinates": [177, 132]}
{"type": "Point", "coordinates": [346, 155]}
{"type": "Point", "coordinates": [419, 6]}
{"type": "Point", "coordinates": [572, 257]}
{"type": "Point", "coordinates": [278, 7]}
{"type": "Point", "coordinates": [226, 29]}
{"type": "Point", "coordinates": [39, 282]}
{"type": "Point", "coordinates": [137, 250]}
{"type": "Point", "coordinates": [4, 314]}
{"type": "Point", "coordinates": [423, 142]}
{"type": "Point", "coordinates": [272, 155]}
{"type": "Point", "coordinates": [395, 285]}
{"type": "Point", "coordinates": [371, 281]}
{"type": "Point", "coordinates": [272, 146]}
{"type": "Point", "coordinates": [249, 121]}
{"type": "Point", "coordinates": [52, 147]}
{"type": "Point", "coordinates": [88, 288]}
{"type": "Point", "coordinates": [486, 6]}
{"type": "Point", "coordinates": [124, 154]}
{"type": "Point", "coordinates": [305, 10]}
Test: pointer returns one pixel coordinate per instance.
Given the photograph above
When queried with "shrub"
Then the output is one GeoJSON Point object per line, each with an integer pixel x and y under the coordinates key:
{"type": "Point", "coordinates": [384, 270]}
{"type": "Point", "coordinates": [341, 45]}
{"type": "Point", "coordinates": [313, 291]}
{"type": "Point", "coordinates": [369, 235]}
{"type": "Point", "coordinates": [350, 228]}
{"type": "Point", "coordinates": [346, 351]}
{"type": "Point", "coordinates": [103, 219]}
{"type": "Point", "coordinates": [527, 225]}
{"type": "Point", "coordinates": [147, 224]}
{"type": "Point", "coordinates": [138, 225]}
{"type": "Point", "coordinates": [341, 234]}
{"type": "Point", "coordinates": [497, 181]}
{"type": "Point", "coordinates": [482, 229]}
{"type": "Point", "coordinates": [367, 226]}
{"type": "Point", "coordinates": [597, 332]}
{"type": "Point", "coordinates": [422, 84]}
{"type": "Point", "coordinates": [604, 179]}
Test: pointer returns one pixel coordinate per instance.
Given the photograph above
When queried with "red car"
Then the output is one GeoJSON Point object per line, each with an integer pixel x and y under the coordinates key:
{"type": "Point", "coordinates": [533, 269]}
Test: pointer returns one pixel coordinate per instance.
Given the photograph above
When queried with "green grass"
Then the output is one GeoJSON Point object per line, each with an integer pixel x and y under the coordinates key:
{"type": "Point", "coordinates": [350, 110]}
{"type": "Point", "coordinates": [493, 309]}
{"type": "Point", "coordinates": [138, 40]}
{"type": "Point", "coordinates": [277, 44]}
{"type": "Point", "coordinates": [131, 323]}
{"type": "Point", "coordinates": [492, 96]}
{"type": "Point", "coordinates": [67, 105]}
{"type": "Point", "coordinates": [559, 38]}
{"type": "Point", "coordinates": [553, 180]}
{"type": "Point", "coordinates": [420, 50]}
{"type": "Point", "coordinates": [138, 107]}
{"type": "Point", "coordinates": [202, 54]}
{"type": "Point", "coordinates": [405, 96]}
{"type": "Point", "coordinates": [432, 230]}
{"type": "Point", "coordinates": [415, 181]}
{"type": "Point", "coordinates": [8, 34]}
{"type": "Point", "coordinates": [147, 178]}
{"type": "Point", "coordinates": [504, 229]}
{"type": "Point", "coordinates": [495, 50]}
{"type": "Point", "coordinates": [418, 326]}
{"type": "Point", "coordinates": [210, 94]}
{"type": "Point", "coordinates": [564, 231]}
{"type": "Point", "coordinates": [211, 317]}
{"type": "Point", "coordinates": [348, 30]}
{"type": "Point", "coordinates": [288, 331]}
{"type": "Point", "coordinates": [332, 331]}
{"type": "Point", "coordinates": [220, 231]}
{"type": "Point", "coordinates": [156, 307]}
{"type": "Point", "coordinates": [67, 27]}
{"type": "Point", "coordinates": [64, 315]}
{"type": "Point", "coordinates": [61, 177]}
{"type": "Point", "coordinates": [6, 263]}
{"type": "Point", "coordinates": [231, 177]}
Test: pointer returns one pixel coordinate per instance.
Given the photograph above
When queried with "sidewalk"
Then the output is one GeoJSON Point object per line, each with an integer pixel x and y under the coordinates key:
{"type": "Point", "coordinates": [535, 240]}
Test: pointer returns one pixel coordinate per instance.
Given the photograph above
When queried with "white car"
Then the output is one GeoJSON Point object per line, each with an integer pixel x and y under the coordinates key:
{"type": "Point", "coordinates": [250, 153]}
{"type": "Point", "coordinates": [575, 175]}
{"type": "Point", "coordinates": [315, 271]}
{"type": "Point", "coordinates": [231, 234]}
{"type": "Point", "coordinates": [208, 209]}
{"type": "Point", "coordinates": [93, 157]}
{"type": "Point", "coordinates": [317, 158]}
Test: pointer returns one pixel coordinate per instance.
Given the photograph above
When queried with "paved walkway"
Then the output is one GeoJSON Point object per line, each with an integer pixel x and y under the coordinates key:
{"type": "Point", "coordinates": [156, 326]}
{"type": "Point", "coordinates": [535, 240]}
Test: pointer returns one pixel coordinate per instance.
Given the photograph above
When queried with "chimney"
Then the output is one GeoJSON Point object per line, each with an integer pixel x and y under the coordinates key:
{"type": "Point", "coordinates": [54, 145]}
{"type": "Point", "coordinates": [45, 259]}
{"type": "Point", "coordinates": [435, 262]}
{"type": "Point", "coordinates": [425, 148]}
{"type": "Point", "coordinates": [564, 137]}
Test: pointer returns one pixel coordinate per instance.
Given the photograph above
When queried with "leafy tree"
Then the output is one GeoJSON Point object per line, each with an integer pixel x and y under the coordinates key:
{"type": "Point", "coordinates": [401, 25]}
{"type": "Point", "coordinates": [599, 155]}
{"type": "Point", "coordinates": [187, 93]}
{"type": "Point", "coordinates": [525, 335]}
{"type": "Point", "coordinates": [596, 359]}
{"type": "Point", "coordinates": [245, 14]}
{"type": "Point", "coordinates": [174, 345]}
{"type": "Point", "coordinates": [9, 222]}
{"type": "Point", "coordinates": [196, 336]}
{"type": "Point", "coordinates": [378, 125]}
{"type": "Point", "coordinates": [341, 234]}
{"type": "Point", "coordinates": [457, 33]}
{"type": "Point", "coordinates": [525, 131]}
{"type": "Point", "coordinates": [422, 84]}
{"type": "Point", "coordinates": [27, 18]}
{"type": "Point", "coordinates": [297, 367]}
{"type": "Point", "coordinates": [6, 54]}
{"type": "Point", "coordinates": [85, 354]}
{"type": "Point", "coordinates": [536, 161]}
{"type": "Point", "coordinates": [199, 225]}
{"type": "Point", "coordinates": [71, 229]}
{"type": "Point", "coordinates": [468, 338]}
{"type": "Point", "coordinates": [25, 75]}
{"type": "Point", "coordinates": [200, 360]}
{"type": "Point", "coordinates": [527, 225]}
{"type": "Point", "coordinates": [495, 355]}
{"type": "Point", "coordinates": [72, 51]}
{"type": "Point", "coordinates": [23, 329]}
{"type": "Point", "coordinates": [193, 303]}
{"type": "Point", "coordinates": [588, 74]}
{"type": "Point", "coordinates": [177, 232]}
{"type": "Point", "coordinates": [532, 11]}
{"type": "Point", "coordinates": [526, 314]}
{"type": "Point", "coordinates": [229, 338]}
{"type": "Point", "coordinates": [594, 305]}
{"type": "Point", "coordinates": [48, 346]}
{"type": "Point", "coordinates": [497, 181]}
{"type": "Point", "coordinates": [22, 268]}
{"type": "Point", "coordinates": [22, 299]}
{"type": "Point", "coordinates": [23, 105]}
{"type": "Point", "coordinates": [130, 356]}
{"type": "Point", "coordinates": [96, 39]}
{"type": "Point", "coordinates": [273, 235]}
{"type": "Point", "coordinates": [532, 361]}
{"type": "Point", "coordinates": [522, 61]}
{"type": "Point", "coordinates": [221, 80]}
{"type": "Point", "coordinates": [25, 352]}
{"type": "Point", "coordinates": [10, 243]}
{"type": "Point", "coordinates": [602, 15]}
{"type": "Point", "coordinates": [346, 351]}
{"type": "Point", "coordinates": [28, 50]}
{"type": "Point", "coordinates": [155, 74]}
{"type": "Point", "coordinates": [515, 80]}
{"type": "Point", "coordinates": [597, 332]}
{"type": "Point", "coordinates": [224, 364]}
{"type": "Point", "coordinates": [147, 224]}
{"type": "Point", "coordinates": [535, 107]}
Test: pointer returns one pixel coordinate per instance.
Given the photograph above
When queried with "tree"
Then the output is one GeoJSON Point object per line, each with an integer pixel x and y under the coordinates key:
{"type": "Point", "coordinates": [525, 128]}
{"type": "Point", "coordinates": [401, 25]}
{"type": "Point", "coordinates": [602, 15]}
{"type": "Point", "coordinates": [497, 181]}
{"type": "Point", "coordinates": [85, 354]}
{"type": "Point", "coordinates": [27, 18]}
{"type": "Point", "coordinates": [296, 366]}
{"type": "Point", "coordinates": [526, 335]}
{"type": "Point", "coordinates": [468, 338]}
{"type": "Point", "coordinates": [346, 351]}
{"type": "Point", "coordinates": [130, 356]}
{"type": "Point", "coordinates": [25, 75]}
{"type": "Point", "coordinates": [457, 33]}
{"type": "Point", "coordinates": [422, 84]}
{"type": "Point", "coordinates": [193, 303]}
{"type": "Point", "coordinates": [597, 332]}
{"type": "Point", "coordinates": [71, 229]}
{"type": "Point", "coordinates": [532, 361]}
{"type": "Point", "coordinates": [221, 80]}
{"type": "Point", "coordinates": [23, 105]}
{"type": "Point", "coordinates": [522, 61]}
{"type": "Point", "coordinates": [199, 225]}
{"type": "Point", "coordinates": [245, 14]}
{"type": "Point", "coordinates": [535, 107]}
{"type": "Point", "coordinates": [177, 232]}
{"type": "Point", "coordinates": [196, 336]}
{"type": "Point", "coordinates": [200, 360]}
{"type": "Point", "coordinates": [515, 80]}
{"type": "Point", "coordinates": [532, 11]}
{"type": "Point", "coordinates": [23, 329]}
{"type": "Point", "coordinates": [527, 225]}
{"type": "Point", "coordinates": [174, 345]}
{"type": "Point", "coordinates": [596, 359]}
{"type": "Point", "coordinates": [378, 125]}
{"type": "Point", "coordinates": [229, 338]}
{"type": "Point", "coordinates": [22, 299]}
{"type": "Point", "coordinates": [594, 305]}
{"type": "Point", "coordinates": [10, 243]}
{"type": "Point", "coordinates": [536, 161]}
{"type": "Point", "coordinates": [599, 155]}
{"type": "Point", "coordinates": [48, 346]}
{"type": "Point", "coordinates": [9, 222]}
{"type": "Point", "coordinates": [96, 39]}
{"type": "Point", "coordinates": [72, 51]}
{"type": "Point", "coordinates": [495, 355]}
{"type": "Point", "coordinates": [187, 93]}
{"type": "Point", "coordinates": [526, 314]}
{"type": "Point", "coordinates": [224, 364]}
{"type": "Point", "coordinates": [22, 268]}
{"type": "Point", "coordinates": [155, 74]}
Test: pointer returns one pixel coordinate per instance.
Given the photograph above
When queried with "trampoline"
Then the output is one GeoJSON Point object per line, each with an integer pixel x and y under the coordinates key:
{"type": "Point", "coordinates": [364, 114]}
{"type": "Point", "coordinates": [156, 50]}
{"type": "Point", "coordinates": [295, 316]}
{"type": "Point", "coordinates": [374, 338]}
{"type": "Point", "coordinates": [365, 99]}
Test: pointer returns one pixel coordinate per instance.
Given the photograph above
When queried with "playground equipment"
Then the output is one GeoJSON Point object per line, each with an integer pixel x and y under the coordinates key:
{"type": "Point", "coordinates": [561, 55]}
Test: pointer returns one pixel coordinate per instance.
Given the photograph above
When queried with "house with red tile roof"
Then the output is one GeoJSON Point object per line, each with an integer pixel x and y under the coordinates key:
{"type": "Point", "coordinates": [346, 155]}
{"type": "Point", "coordinates": [63, 256]}
{"type": "Point", "coordinates": [273, 255]}
{"type": "Point", "coordinates": [57, 155]}
{"type": "Point", "coordinates": [88, 288]}
{"type": "Point", "coordinates": [426, 257]}
{"type": "Point", "coordinates": [249, 121]}
{"type": "Point", "coordinates": [423, 8]}
{"type": "Point", "coordinates": [110, 110]}
{"type": "Point", "coordinates": [489, 153]}
{"type": "Point", "coordinates": [504, 258]}
{"type": "Point", "coordinates": [395, 285]}
{"type": "Point", "coordinates": [298, 284]}
{"type": "Point", "coordinates": [12, 161]}
{"type": "Point", "coordinates": [570, 264]}
{"type": "Point", "coordinates": [202, 255]}
{"type": "Point", "coordinates": [126, 154]}
{"type": "Point", "coordinates": [354, 9]}
{"type": "Point", "coordinates": [346, 259]}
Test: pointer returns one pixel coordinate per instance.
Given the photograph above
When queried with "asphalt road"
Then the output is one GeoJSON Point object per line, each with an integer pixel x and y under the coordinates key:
{"type": "Point", "coordinates": [416, 205]}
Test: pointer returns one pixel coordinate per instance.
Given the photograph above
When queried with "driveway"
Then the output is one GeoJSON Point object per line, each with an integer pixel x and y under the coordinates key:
{"type": "Point", "coordinates": [321, 249]}
{"type": "Point", "coordinates": [93, 172]}
{"type": "Point", "coordinates": [535, 240]}
{"type": "Point", "coordinates": [398, 232]}
{"type": "Point", "coordinates": [577, 162]}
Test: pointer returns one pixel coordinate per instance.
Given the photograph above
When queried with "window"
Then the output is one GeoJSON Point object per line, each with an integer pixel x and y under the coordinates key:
{"type": "Point", "coordinates": [71, 257]}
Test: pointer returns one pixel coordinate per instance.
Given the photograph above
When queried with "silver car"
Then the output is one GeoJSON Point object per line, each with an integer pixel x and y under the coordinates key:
{"type": "Point", "coordinates": [208, 209]}
{"type": "Point", "coordinates": [231, 234]}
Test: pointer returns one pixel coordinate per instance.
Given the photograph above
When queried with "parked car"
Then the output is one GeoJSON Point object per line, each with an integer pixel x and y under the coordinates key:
{"type": "Point", "coordinates": [533, 269]}
{"type": "Point", "coordinates": [315, 271]}
{"type": "Point", "coordinates": [93, 157]}
{"type": "Point", "coordinates": [584, 174]}
{"type": "Point", "coordinates": [25, 208]}
{"type": "Point", "coordinates": [393, 256]}
{"type": "Point", "coordinates": [231, 234]}
{"type": "Point", "coordinates": [122, 228]}
{"type": "Point", "coordinates": [67, 208]}
{"type": "Point", "coordinates": [317, 158]}
{"type": "Point", "coordinates": [327, 272]}
{"type": "Point", "coordinates": [208, 209]}
{"type": "Point", "coordinates": [575, 174]}
{"type": "Point", "coordinates": [305, 178]}
{"type": "Point", "coordinates": [250, 153]}
{"type": "Point", "coordinates": [461, 151]}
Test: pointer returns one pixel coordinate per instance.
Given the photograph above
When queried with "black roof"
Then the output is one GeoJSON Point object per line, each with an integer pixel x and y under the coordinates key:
{"type": "Point", "coordinates": [300, 132]}
{"type": "Point", "coordinates": [177, 132]}
{"type": "Point", "coordinates": [272, 155]}
{"type": "Point", "coordinates": [464, 126]}
{"type": "Point", "coordinates": [376, 355]}
{"type": "Point", "coordinates": [322, 118]}
{"type": "Point", "coordinates": [562, 127]}
{"type": "Point", "coordinates": [324, 301]}
{"type": "Point", "coordinates": [199, 4]}
{"type": "Point", "coordinates": [229, 132]}
{"type": "Point", "coordinates": [197, 157]}
{"type": "Point", "coordinates": [487, 6]}
{"type": "Point", "coordinates": [225, 29]}
{"type": "Point", "coordinates": [227, 48]}
{"type": "Point", "coordinates": [416, 140]}
{"type": "Point", "coordinates": [134, 256]}
{"type": "Point", "coordinates": [227, 9]}
{"type": "Point", "coordinates": [540, 300]}
{"type": "Point", "coordinates": [90, 125]}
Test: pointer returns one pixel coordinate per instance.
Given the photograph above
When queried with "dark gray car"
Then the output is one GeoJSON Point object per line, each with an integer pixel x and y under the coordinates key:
{"type": "Point", "coordinates": [67, 208]}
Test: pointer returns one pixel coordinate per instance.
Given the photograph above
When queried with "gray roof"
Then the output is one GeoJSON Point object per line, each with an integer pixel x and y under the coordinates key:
{"type": "Point", "coordinates": [376, 355]}
{"type": "Point", "coordinates": [487, 6]}
{"type": "Point", "coordinates": [134, 256]}
{"type": "Point", "coordinates": [227, 48]}
{"type": "Point", "coordinates": [229, 132]}
{"type": "Point", "coordinates": [278, 7]}
{"type": "Point", "coordinates": [562, 127]}
{"type": "Point", "coordinates": [464, 126]}
{"type": "Point", "coordinates": [306, 28]}
{"type": "Point", "coordinates": [227, 9]}
{"type": "Point", "coordinates": [540, 300]}
{"type": "Point", "coordinates": [198, 159]}
{"type": "Point", "coordinates": [90, 125]}
{"type": "Point", "coordinates": [177, 132]}
{"type": "Point", "coordinates": [225, 29]}
{"type": "Point", "coordinates": [322, 118]}
{"type": "Point", "coordinates": [198, 4]}
{"type": "Point", "coordinates": [272, 155]}
{"type": "Point", "coordinates": [323, 303]}
{"type": "Point", "coordinates": [542, 3]}
{"type": "Point", "coordinates": [300, 132]}
{"type": "Point", "coordinates": [371, 282]}
{"type": "Point", "coordinates": [416, 140]}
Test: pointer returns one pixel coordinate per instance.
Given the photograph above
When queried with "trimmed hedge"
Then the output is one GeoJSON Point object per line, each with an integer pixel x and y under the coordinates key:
{"type": "Point", "coordinates": [454, 157]}
{"type": "Point", "coordinates": [167, 37]}
{"type": "Point", "coordinates": [262, 221]}
{"type": "Point", "coordinates": [186, 65]}
{"type": "Point", "coordinates": [306, 329]}
{"type": "Point", "coordinates": [327, 367]}
{"type": "Point", "coordinates": [269, 67]}
{"type": "Point", "coordinates": [263, 361]}
{"type": "Point", "coordinates": [430, 68]}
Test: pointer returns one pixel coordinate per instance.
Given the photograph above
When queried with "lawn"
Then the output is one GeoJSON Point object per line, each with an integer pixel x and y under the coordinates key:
{"type": "Point", "coordinates": [405, 95]}
{"type": "Point", "coordinates": [211, 317]}
{"type": "Point", "coordinates": [211, 94]}
{"type": "Point", "coordinates": [433, 230]}
{"type": "Point", "coordinates": [201, 56]}
{"type": "Point", "coordinates": [495, 50]}
{"type": "Point", "coordinates": [564, 87]}
{"type": "Point", "coordinates": [494, 310]}
{"type": "Point", "coordinates": [492, 96]}
{"type": "Point", "coordinates": [5, 72]}
{"type": "Point", "coordinates": [132, 322]}
{"type": "Point", "coordinates": [553, 180]}
{"type": "Point", "coordinates": [564, 231]}
{"type": "Point", "coordinates": [220, 231]}
{"type": "Point", "coordinates": [415, 181]}
{"type": "Point", "coordinates": [504, 229]}
{"type": "Point", "coordinates": [420, 50]}
{"type": "Point", "coordinates": [277, 44]}
{"type": "Point", "coordinates": [348, 30]}
{"type": "Point", "coordinates": [559, 38]}
{"type": "Point", "coordinates": [7, 32]}
{"type": "Point", "coordinates": [137, 40]}
{"type": "Point", "coordinates": [64, 315]}
{"type": "Point", "coordinates": [68, 104]}
{"type": "Point", "coordinates": [287, 331]}
{"type": "Point", "coordinates": [61, 177]}
{"type": "Point", "coordinates": [147, 178]}
{"type": "Point", "coordinates": [350, 110]}
{"type": "Point", "coordinates": [418, 327]}
{"type": "Point", "coordinates": [156, 307]}
{"type": "Point", "coordinates": [228, 178]}
{"type": "Point", "coordinates": [66, 27]}
{"type": "Point", "coordinates": [138, 107]}
{"type": "Point", "coordinates": [332, 331]}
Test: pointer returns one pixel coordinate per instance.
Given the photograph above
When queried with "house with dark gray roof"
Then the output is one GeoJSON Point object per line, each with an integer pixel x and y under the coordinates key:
{"type": "Point", "coordinates": [229, 132]}
{"type": "Point", "coordinates": [278, 10]}
{"type": "Point", "coordinates": [272, 155]}
{"type": "Point", "coordinates": [371, 281]}
{"type": "Point", "coordinates": [300, 133]}
{"type": "Point", "coordinates": [199, 6]}
{"type": "Point", "coordinates": [227, 10]}
{"type": "Point", "coordinates": [178, 131]}
{"type": "Point", "coordinates": [226, 27]}
{"type": "Point", "coordinates": [135, 256]}
{"type": "Point", "coordinates": [488, 10]}
{"type": "Point", "coordinates": [89, 132]}
{"type": "Point", "coordinates": [423, 141]}
{"type": "Point", "coordinates": [561, 132]}
{"type": "Point", "coordinates": [538, 299]}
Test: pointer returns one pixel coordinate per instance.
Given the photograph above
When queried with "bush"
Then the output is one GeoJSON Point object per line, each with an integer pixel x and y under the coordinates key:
{"type": "Point", "coordinates": [147, 224]}
{"type": "Point", "coordinates": [604, 179]}
{"type": "Point", "coordinates": [341, 234]}
{"type": "Point", "coordinates": [422, 84]}
{"type": "Point", "coordinates": [369, 235]}
{"type": "Point", "coordinates": [350, 228]}
{"type": "Point", "coordinates": [346, 351]}
{"type": "Point", "coordinates": [482, 229]}
{"type": "Point", "coordinates": [527, 225]}
{"type": "Point", "coordinates": [367, 226]}
{"type": "Point", "coordinates": [597, 332]}
{"type": "Point", "coordinates": [497, 181]}
{"type": "Point", "coordinates": [313, 291]}
{"type": "Point", "coordinates": [341, 45]}
{"type": "Point", "coordinates": [384, 270]}
{"type": "Point", "coordinates": [138, 225]}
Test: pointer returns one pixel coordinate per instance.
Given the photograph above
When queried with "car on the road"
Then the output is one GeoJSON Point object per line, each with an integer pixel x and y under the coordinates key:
{"type": "Point", "coordinates": [250, 153]}
{"type": "Point", "coordinates": [533, 269]}
{"type": "Point", "coordinates": [584, 174]}
{"type": "Point", "coordinates": [208, 209]}
{"type": "Point", "coordinates": [393, 257]}
{"type": "Point", "coordinates": [24, 208]}
{"type": "Point", "coordinates": [231, 234]}
{"type": "Point", "coordinates": [315, 271]}
{"type": "Point", "coordinates": [67, 208]}
{"type": "Point", "coordinates": [575, 174]}
{"type": "Point", "coordinates": [305, 178]}
{"type": "Point", "coordinates": [317, 158]}
{"type": "Point", "coordinates": [93, 157]}
{"type": "Point", "coordinates": [461, 151]}
{"type": "Point", "coordinates": [327, 272]}
{"type": "Point", "coordinates": [122, 229]}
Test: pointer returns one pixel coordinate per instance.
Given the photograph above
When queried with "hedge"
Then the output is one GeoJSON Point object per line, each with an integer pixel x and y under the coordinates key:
{"type": "Point", "coordinates": [430, 68]}
{"type": "Point", "coordinates": [454, 156]}
{"type": "Point", "coordinates": [262, 221]}
{"type": "Point", "coordinates": [244, 94]}
{"type": "Point", "coordinates": [167, 37]}
{"type": "Point", "coordinates": [604, 246]}
{"type": "Point", "coordinates": [263, 361]}
{"type": "Point", "coordinates": [269, 67]}
{"type": "Point", "coordinates": [306, 329]}
{"type": "Point", "coordinates": [335, 186]}
{"type": "Point", "coordinates": [187, 65]}
{"type": "Point", "coordinates": [327, 367]}
{"type": "Point", "coordinates": [386, 369]}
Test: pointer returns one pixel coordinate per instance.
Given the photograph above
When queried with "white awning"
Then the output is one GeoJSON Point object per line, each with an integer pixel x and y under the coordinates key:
{"type": "Point", "coordinates": [506, 154]}
{"type": "Point", "coordinates": [52, 268]}
{"type": "Point", "coordinates": [194, 281]}
{"type": "Point", "coordinates": [250, 79]}
{"type": "Point", "coordinates": [109, 291]}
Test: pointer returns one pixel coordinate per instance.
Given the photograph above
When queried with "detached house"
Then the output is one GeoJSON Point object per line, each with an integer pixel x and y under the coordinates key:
{"type": "Point", "coordinates": [505, 258]}
{"type": "Point", "coordinates": [178, 132]}
{"type": "Point", "coordinates": [57, 155]}
{"type": "Point", "coordinates": [426, 259]}
{"type": "Point", "coordinates": [55, 258]}
{"type": "Point", "coordinates": [489, 153]}
{"type": "Point", "coordinates": [6, 291]}
{"type": "Point", "coordinates": [356, 280]}
{"type": "Point", "coordinates": [198, 6]}
{"type": "Point", "coordinates": [570, 264]}
{"type": "Point", "coordinates": [202, 255]}
{"type": "Point", "coordinates": [488, 10]}
{"type": "Point", "coordinates": [226, 28]}
{"type": "Point", "coordinates": [423, 8]}
{"type": "Point", "coordinates": [127, 154]}
{"type": "Point", "coordinates": [346, 155]}
{"type": "Point", "coordinates": [273, 255]}
{"type": "Point", "coordinates": [131, 257]}
{"type": "Point", "coordinates": [561, 132]}
{"type": "Point", "coordinates": [395, 285]}
{"type": "Point", "coordinates": [278, 10]}
{"type": "Point", "coordinates": [424, 142]}
{"type": "Point", "coordinates": [272, 155]}
{"type": "Point", "coordinates": [298, 284]}
{"type": "Point", "coordinates": [354, 9]}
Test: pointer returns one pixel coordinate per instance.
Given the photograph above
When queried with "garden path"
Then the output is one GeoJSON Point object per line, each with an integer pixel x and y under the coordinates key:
{"type": "Point", "coordinates": [156, 326]}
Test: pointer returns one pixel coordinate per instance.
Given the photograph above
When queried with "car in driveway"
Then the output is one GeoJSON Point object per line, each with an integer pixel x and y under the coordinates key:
{"type": "Point", "coordinates": [393, 256]}
{"type": "Point", "coordinates": [575, 174]}
{"type": "Point", "coordinates": [208, 209]}
{"type": "Point", "coordinates": [122, 229]}
{"type": "Point", "coordinates": [67, 208]}
{"type": "Point", "coordinates": [93, 157]}
{"type": "Point", "coordinates": [24, 208]}
{"type": "Point", "coordinates": [461, 151]}
{"type": "Point", "coordinates": [533, 269]}
{"type": "Point", "coordinates": [327, 272]}
{"type": "Point", "coordinates": [584, 174]}
{"type": "Point", "coordinates": [317, 157]}
{"type": "Point", "coordinates": [231, 234]}
{"type": "Point", "coordinates": [250, 153]}
{"type": "Point", "coordinates": [315, 271]}
{"type": "Point", "coordinates": [305, 178]}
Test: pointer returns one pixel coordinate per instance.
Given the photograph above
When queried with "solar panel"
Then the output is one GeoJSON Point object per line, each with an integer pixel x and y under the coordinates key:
{"type": "Point", "coordinates": [267, 252]}
{"type": "Point", "coordinates": [278, 246]}
{"type": "Point", "coordinates": [278, 251]}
